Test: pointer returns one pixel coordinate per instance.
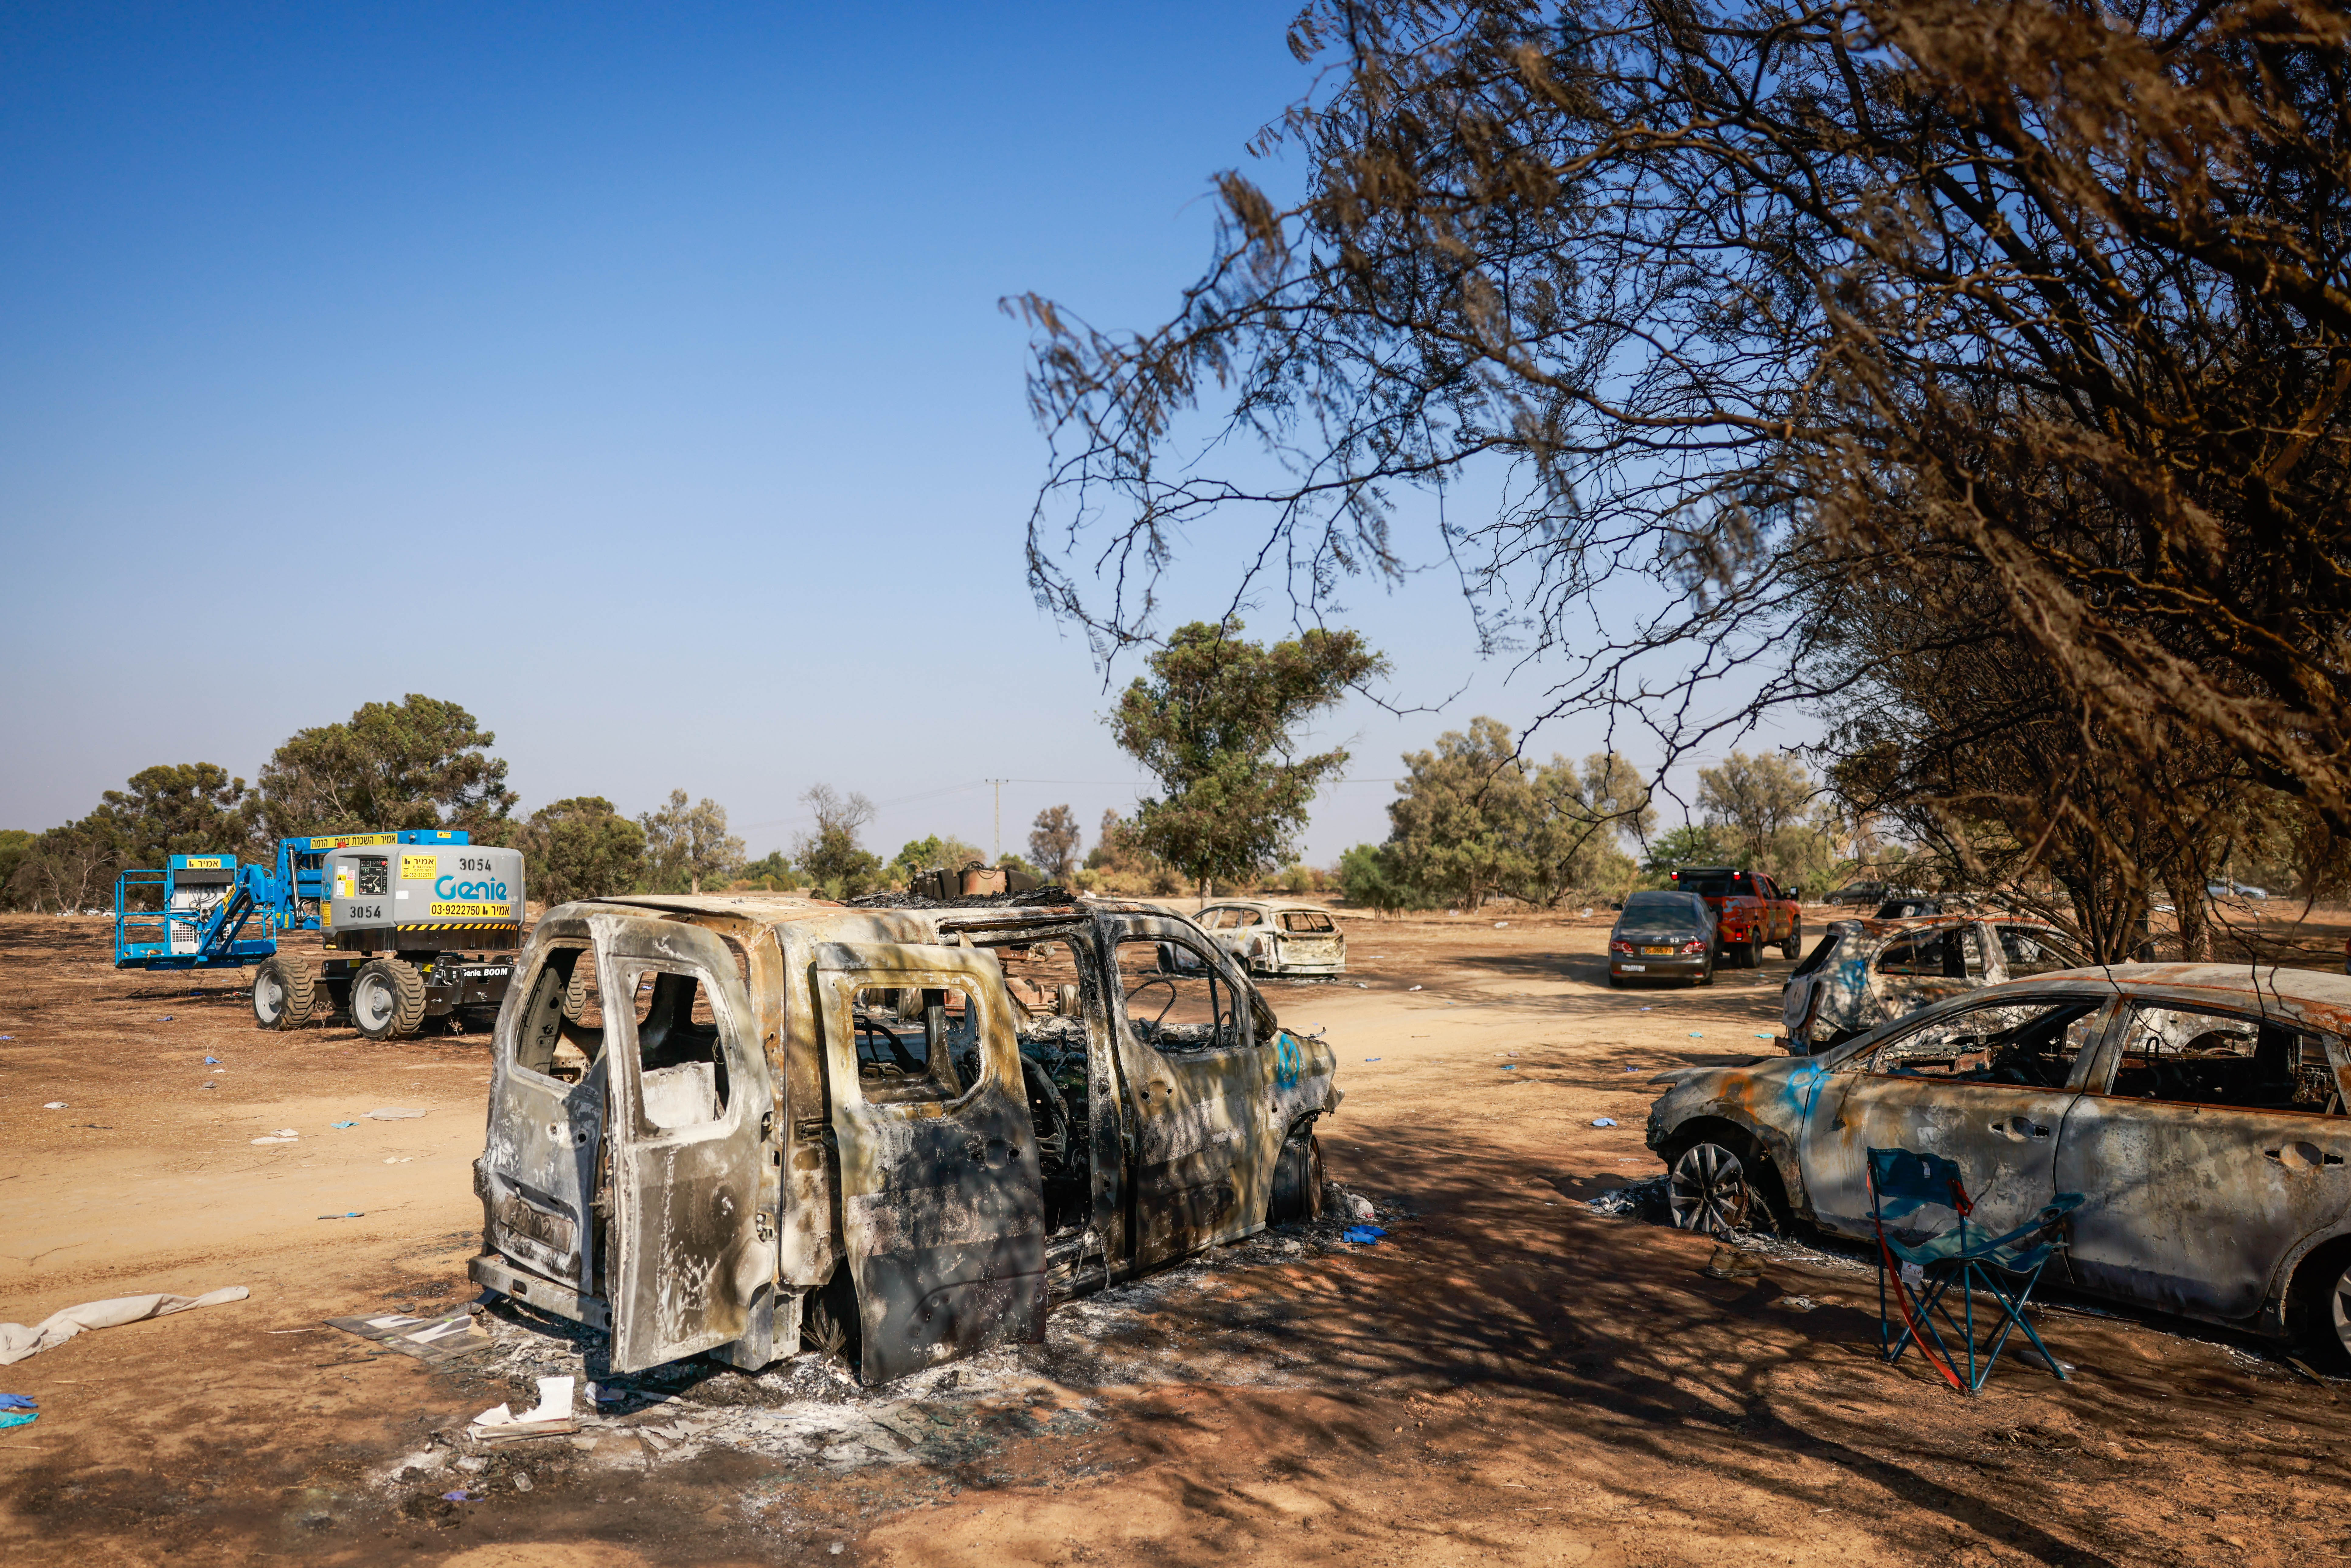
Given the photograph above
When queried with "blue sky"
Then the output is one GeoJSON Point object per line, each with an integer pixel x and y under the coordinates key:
{"type": "Point", "coordinates": [633, 376]}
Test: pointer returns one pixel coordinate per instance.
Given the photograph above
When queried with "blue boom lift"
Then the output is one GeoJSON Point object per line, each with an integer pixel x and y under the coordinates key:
{"type": "Point", "coordinates": [209, 912]}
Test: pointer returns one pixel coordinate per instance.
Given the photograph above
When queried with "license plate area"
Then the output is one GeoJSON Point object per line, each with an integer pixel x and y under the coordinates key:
{"type": "Point", "coordinates": [1657, 952]}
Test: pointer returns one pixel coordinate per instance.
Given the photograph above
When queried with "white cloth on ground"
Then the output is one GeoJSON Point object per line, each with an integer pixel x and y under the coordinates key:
{"type": "Point", "coordinates": [18, 1340]}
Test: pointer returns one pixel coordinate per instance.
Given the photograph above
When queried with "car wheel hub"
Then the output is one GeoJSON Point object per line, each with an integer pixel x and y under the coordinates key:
{"type": "Point", "coordinates": [1707, 1191]}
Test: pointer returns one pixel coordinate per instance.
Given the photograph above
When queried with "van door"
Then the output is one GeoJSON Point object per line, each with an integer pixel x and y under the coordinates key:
{"type": "Point", "coordinates": [539, 1167]}
{"type": "Point", "coordinates": [1201, 1091]}
{"type": "Point", "coordinates": [691, 1105]}
{"type": "Point", "coordinates": [941, 1208]}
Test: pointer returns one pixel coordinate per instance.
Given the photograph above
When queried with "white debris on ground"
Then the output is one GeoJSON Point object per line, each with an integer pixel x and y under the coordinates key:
{"type": "Point", "coordinates": [811, 1410]}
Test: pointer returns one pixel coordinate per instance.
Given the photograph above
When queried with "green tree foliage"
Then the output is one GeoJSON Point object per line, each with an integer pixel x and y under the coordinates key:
{"type": "Point", "coordinates": [419, 763]}
{"type": "Point", "coordinates": [688, 845]}
{"type": "Point", "coordinates": [1369, 877]}
{"type": "Point", "coordinates": [69, 867]}
{"type": "Point", "coordinates": [830, 856]}
{"type": "Point", "coordinates": [772, 872]}
{"type": "Point", "coordinates": [15, 844]}
{"type": "Point", "coordinates": [933, 851]}
{"type": "Point", "coordinates": [1471, 819]}
{"type": "Point", "coordinates": [1692, 843]}
{"type": "Point", "coordinates": [581, 848]}
{"type": "Point", "coordinates": [1053, 843]}
{"type": "Point", "coordinates": [1218, 722]}
{"type": "Point", "coordinates": [192, 808]}
{"type": "Point", "coordinates": [1121, 862]}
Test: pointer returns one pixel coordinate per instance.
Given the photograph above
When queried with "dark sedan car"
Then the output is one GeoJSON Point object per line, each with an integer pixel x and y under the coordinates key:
{"type": "Point", "coordinates": [2200, 1109]}
{"type": "Point", "coordinates": [1663, 936]}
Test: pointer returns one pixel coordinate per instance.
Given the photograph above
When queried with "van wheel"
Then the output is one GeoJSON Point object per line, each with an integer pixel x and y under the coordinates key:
{"type": "Point", "coordinates": [283, 993]}
{"type": "Point", "coordinates": [1296, 1182]}
{"type": "Point", "coordinates": [387, 998]}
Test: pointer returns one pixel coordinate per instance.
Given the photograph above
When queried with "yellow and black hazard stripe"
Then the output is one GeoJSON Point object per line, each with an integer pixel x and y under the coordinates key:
{"type": "Point", "coordinates": [464, 925]}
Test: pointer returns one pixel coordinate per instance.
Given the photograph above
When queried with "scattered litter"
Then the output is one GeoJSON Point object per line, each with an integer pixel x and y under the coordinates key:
{"type": "Point", "coordinates": [54, 1105]}
{"type": "Point", "coordinates": [219, 1069]}
{"type": "Point", "coordinates": [17, 1341]}
{"type": "Point", "coordinates": [210, 1060]}
{"type": "Point", "coordinates": [461, 1495]}
{"type": "Point", "coordinates": [1375, 1058]}
{"type": "Point", "coordinates": [392, 1113]}
{"type": "Point", "coordinates": [522, 1483]}
{"type": "Point", "coordinates": [1362, 1235]}
{"type": "Point", "coordinates": [18, 1402]}
{"type": "Point", "coordinates": [432, 1340]}
{"type": "Point", "coordinates": [354, 1214]}
{"type": "Point", "coordinates": [1632, 1070]}
{"type": "Point", "coordinates": [1499, 925]}
{"type": "Point", "coordinates": [1412, 987]}
{"type": "Point", "coordinates": [208, 1084]}
{"type": "Point", "coordinates": [1603, 1120]}
{"type": "Point", "coordinates": [1509, 1067]}
{"type": "Point", "coordinates": [1797, 1304]}
{"type": "Point", "coordinates": [19, 1419]}
{"type": "Point", "coordinates": [342, 1123]}
{"type": "Point", "coordinates": [1587, 912]}
{"type": "Point", "coordinates": [166, 1018]}
{"type": "Point", "coordinates": [1351, 1205]}
{"type": "Point", "coordinates": [1648, 1009]}
{"type": "Point", "coordinates": [7, 1037]}
{"type": "Point", "coordinates": [550, 1416]}
{"type": "Point", "coordinates": [1697, 1034]}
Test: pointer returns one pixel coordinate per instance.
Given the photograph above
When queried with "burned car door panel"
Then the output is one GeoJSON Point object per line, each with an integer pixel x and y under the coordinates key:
{"type": "Point", "coordinates": [1207, 1128]}
{"type": "Point", "coordinates": [541, 1167]}
{"type": "Point", "coordinates": [693, 1255]}
{"type": "Point", "coordinates": [1988, 1086]}
{"type": "Point", "coordinates": [2212, 1148]}
{"type": "Point", "coordinates": [941, 1209]}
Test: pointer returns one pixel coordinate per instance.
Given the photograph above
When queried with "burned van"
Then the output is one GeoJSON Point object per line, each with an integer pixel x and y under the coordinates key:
{"type": "Point", "coordinates": [727, 1123]}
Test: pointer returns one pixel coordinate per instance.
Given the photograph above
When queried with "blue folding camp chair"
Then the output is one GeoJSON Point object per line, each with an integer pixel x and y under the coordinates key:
{"type": "Point", "coordinates": [1901, 1184]}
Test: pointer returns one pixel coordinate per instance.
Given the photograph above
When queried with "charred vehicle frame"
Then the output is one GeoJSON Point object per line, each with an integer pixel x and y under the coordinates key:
{"type": "Point", "coordinates": [719, 1124]}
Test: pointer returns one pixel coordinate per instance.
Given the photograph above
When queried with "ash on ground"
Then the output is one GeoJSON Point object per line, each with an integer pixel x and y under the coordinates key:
{"type": "Point", "coordinates": [1185, 1325]}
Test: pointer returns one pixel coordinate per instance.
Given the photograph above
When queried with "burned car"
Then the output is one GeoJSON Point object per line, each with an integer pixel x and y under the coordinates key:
{"type": "Point", "coordinates": [1274, 937]}
{"type": "Point", "coordinates": [2199, 1108]}
{"type": "Point", "coordinates": [1863, 972]}
{"type": "Point", "coordinates": [722, 1123]}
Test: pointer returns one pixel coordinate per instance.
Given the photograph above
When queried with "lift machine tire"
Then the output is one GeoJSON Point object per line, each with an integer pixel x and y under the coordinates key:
{"type": "Point", "coordinates": [387, 998]}
{"type": "Point", "coordinates": [284, 992]}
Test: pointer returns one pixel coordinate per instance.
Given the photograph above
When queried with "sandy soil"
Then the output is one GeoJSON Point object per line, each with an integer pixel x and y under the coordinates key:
{"type": "Point", "coordinates": [1507, 1377]}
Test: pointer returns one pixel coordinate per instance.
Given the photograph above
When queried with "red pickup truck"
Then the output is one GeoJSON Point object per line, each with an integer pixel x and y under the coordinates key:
{"type": "Point", "coordinates": [1751, 911]}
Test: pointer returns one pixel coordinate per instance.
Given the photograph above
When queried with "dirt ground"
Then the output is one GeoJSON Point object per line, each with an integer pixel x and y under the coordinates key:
{"type": "Point", "coordinates": [1509, 1377]}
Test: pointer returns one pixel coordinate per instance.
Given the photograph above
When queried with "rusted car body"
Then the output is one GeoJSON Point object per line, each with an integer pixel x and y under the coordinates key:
{"type": "Point", "coordinates": [1863, 973]}
{"type": "Point", "coordinates": [1274, 936]}
{"type": "Point", "coordinates": [2199, 1108]}
{"type": "Point", "coordinates": [717, 1121]}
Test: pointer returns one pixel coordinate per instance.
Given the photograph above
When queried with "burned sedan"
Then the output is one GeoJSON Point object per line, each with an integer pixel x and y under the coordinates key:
{"type": "Point", "coordinates": [1663, 936]}
{"type": "Point", "coordinates": [2199, 1108]}
{"type": "Point", "coordinates": [1863, 972]}
{"type": "Point", "coordinates": [1274, 937]}
{"type": "Point", "coordinates": [721, 1123]}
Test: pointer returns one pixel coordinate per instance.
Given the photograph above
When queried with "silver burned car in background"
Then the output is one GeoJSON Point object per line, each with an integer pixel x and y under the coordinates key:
{"type": "Point", "coordinates": [1276, 936]}
{"type": "Point", "coordinates": [1864, 972]}
{"type": "Point", "coordinates": [2199, 1108]}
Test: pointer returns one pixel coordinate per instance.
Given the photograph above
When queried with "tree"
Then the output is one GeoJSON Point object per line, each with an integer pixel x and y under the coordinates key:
{"type": "Point", "coordinates": [1690, 844]}
{"type": "Point", "coordinates": [687, 845]}
{"type": "Point", "coordinates": [831, 857]}
{"type": "Point", "coordinates": [422, 763]}
{"type": "Point", "coordinates": [68, 868]}
{"type": "Point", "coordinates": [15, 844]}
{"type": "Point", "coordinates": [1053, 843]}
{"type": "Point", "coordinates": [772, 872]}
{"type": "Point", "coordinates": [1369, 875]}
{"type": "Point", "coordinates": [1755, 301]}
{"type": "Point", "coordinates": [581, 848]}
{"type": "Point", "coordinates": [1462, 820]}
{"type": "Point", "coordinates": [189, 808]}
{"type": "Point", "coordinates": [1577, 817]}
{"type": "Point", "coordinates": [1217, 721]}
{"type": "Point", "coordinates": [1121, 862]}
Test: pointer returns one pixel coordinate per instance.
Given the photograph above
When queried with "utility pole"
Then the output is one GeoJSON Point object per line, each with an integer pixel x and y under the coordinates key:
{"type": "Point", "coordinates": [999, 784]}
